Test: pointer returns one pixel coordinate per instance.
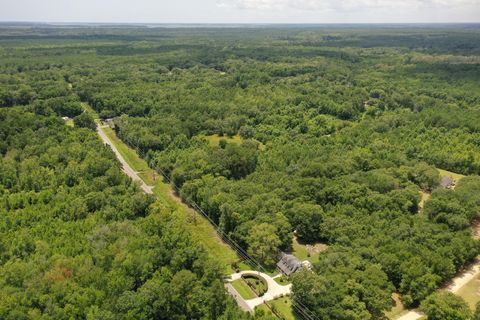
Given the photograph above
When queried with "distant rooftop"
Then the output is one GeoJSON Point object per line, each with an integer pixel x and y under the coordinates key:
{"type": "Point", "coordinates": [447, 182]}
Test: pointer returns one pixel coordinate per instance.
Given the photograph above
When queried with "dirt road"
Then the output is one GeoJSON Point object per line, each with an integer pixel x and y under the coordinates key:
{"type": "Point", "coordinates": [456, 284]}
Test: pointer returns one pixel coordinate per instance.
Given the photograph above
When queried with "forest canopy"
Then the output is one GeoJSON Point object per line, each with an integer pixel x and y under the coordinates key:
{"type": "Point", "coordinates": [325, 134]}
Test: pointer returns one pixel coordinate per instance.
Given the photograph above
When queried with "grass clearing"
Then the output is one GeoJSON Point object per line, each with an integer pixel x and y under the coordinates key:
{"type": "Point", "coordinates": [310, 252]}
{"type": "Point", "coordinates": [470, 292]}
{"type": "Point", "coordinates": [445, 173]}
{"type": "Point", "coordinates": [201, 230]}
{"type": "Point", "coordinates": [243, 289]}
{"type": "Point", "coordinates": [214, 139]}
{"type": "Point", "coordinates": [69, 123]}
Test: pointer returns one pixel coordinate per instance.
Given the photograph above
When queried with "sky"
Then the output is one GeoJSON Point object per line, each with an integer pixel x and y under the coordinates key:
{"type": "Point", "coordinates": [241, 11]}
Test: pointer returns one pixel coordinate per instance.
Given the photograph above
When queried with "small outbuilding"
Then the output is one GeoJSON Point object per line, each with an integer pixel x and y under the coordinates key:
{"type": "Point", "coordinates": [288, 263]}
{"type": "Point", "coordinates": [447, 182]}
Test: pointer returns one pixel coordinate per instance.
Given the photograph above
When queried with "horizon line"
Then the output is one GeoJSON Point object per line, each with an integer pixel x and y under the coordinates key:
{"type": "Point", "coordinates": [232, 23]}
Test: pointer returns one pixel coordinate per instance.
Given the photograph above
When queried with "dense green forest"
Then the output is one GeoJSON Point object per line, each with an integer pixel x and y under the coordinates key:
{"type": "Point", "coordinates": [79, 240]}
{"type": "Point", "coordinates": [330, 133]}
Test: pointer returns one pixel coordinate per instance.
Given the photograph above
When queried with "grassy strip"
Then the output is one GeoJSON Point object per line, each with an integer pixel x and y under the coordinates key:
{"type": "Point", "coordinates": [201, 230]}
{"type": "Point", "coordinates": [88, 109]}
{"type": "Point", "coordinates": [132, 158]}
{"type": "Point", "coordinates": [243, 289]}
{"type": "Point", "coordinates": [470, 292]}
{"type": "Point", "coordinates": [425, 197]}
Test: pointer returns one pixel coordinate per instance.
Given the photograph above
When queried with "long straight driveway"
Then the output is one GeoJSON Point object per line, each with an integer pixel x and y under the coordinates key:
{"type": "Point", "coordinates": [125, 166]}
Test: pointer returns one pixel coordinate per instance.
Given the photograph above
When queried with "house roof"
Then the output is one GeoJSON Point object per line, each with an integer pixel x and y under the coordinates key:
{"type": "Point", "coordinates": [447, 181]}
{"type": "Point", "coordinates": [288, 263]}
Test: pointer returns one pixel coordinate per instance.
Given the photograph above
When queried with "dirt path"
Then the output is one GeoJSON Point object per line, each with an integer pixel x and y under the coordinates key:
{"type": "Point", "coordinates": [462, 279]}
{"type": "Point", "coordinates": [125, 166]}
{"type": "Point", "coordinates": [411, 315]}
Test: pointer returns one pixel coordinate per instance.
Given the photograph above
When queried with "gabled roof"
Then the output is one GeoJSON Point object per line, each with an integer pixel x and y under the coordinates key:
{"type": "Point", "coordinates": [288, 263]}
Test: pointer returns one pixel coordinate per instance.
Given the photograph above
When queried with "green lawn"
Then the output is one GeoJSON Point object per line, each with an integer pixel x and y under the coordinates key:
{"type": "Point", "coordinates": [284, 307]}
{"type": "Point", "coordinates": [265, 309]}
{"type": "Point", "coordinates": [282, 280]}
{"type": "Point", "coordinates": [259, 286]}
{"type": "Point", "coordinates": [311, 253]}
{"type": "Point", "coordinates": [470, 292]}
{"type": "Point", "coordinates": [243, 289]}
{"type": "Point", "coordinates": [201, 230]}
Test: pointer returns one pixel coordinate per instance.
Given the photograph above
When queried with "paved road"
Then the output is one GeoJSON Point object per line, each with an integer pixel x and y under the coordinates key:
{"type": "Point", "coordinates": [125, 166]}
